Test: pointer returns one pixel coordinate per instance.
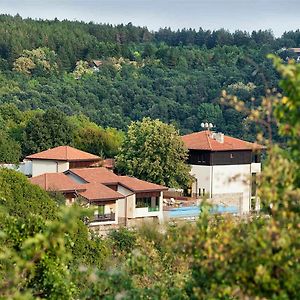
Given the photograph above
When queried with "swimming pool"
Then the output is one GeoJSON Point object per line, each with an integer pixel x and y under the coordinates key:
{"type": "Point", "coordinates": [194, 211]}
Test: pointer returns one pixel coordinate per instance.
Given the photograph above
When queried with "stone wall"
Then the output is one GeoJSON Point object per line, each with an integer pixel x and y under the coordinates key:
{"type": "Point", "coordinates": [103, 230]}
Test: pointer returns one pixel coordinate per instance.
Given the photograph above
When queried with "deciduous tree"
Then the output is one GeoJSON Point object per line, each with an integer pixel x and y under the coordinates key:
{"type": "Point", "coordinates": [153, 150]}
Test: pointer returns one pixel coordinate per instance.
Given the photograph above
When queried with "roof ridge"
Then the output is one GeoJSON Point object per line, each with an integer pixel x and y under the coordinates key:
{"type": "Point", "coordinates": [207, 136]}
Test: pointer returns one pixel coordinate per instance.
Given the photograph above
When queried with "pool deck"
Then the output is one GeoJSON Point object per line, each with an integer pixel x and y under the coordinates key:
{"type": "Point", "coordinates": [183, 203]}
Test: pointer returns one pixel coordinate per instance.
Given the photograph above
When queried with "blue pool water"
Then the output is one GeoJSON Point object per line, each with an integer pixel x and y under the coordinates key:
{"type": "Point", "coordinates": [194, 211]}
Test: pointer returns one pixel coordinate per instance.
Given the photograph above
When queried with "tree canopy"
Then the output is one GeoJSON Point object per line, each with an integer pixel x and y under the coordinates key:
{"type": "Point", "coordinates": [154, 151]}
{"type": "Point", "coordinates": [165, 74]}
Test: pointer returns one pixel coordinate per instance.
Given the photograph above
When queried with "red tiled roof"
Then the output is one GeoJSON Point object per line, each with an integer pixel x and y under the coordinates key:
{"type": "Point", "coordinates": [108, 163]}
{"type": "Point", "coordinates": [97, 192]}
{"type": "Point", "coordinates": [64, 153]}
{"type": "Point", "coordinates": [96, 175]}
{"type": "Point", "coordinates": [97, 63]}
{"type": "Point", "coordinates": [203, 140]}
{"type": "Point", "coordinates": [60, 182]}
{"type": "Point", "coordinates": [56, 182]}
{"type": "Point", "coordinates": [104, 176]}
{"type": "Point", "coordinates": [137, 185]}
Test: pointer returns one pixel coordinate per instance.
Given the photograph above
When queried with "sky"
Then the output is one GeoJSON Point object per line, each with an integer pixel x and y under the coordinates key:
{"type": "Point", "coordinates": [277, 15]}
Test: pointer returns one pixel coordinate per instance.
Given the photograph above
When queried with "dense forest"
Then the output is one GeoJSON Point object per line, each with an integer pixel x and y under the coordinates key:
{"type": "Point", "coordinates": [176, 77]}
{"type": "Point", "coordinates": [47, 251]}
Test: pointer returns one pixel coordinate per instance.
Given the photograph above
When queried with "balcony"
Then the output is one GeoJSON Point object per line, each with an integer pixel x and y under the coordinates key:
{"type": "Point", "coordinates": [104, 218]}
{"type": "Point", "coordinates": [152, 209]}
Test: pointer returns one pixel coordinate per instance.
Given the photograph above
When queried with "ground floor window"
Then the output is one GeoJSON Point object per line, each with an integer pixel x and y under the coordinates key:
{"type": "Point", "coordinates": [143, 202]}
{"type": "Point", "coordinates": [202, 192]}
{"type": "Point", "coordinates": [148, 202]}
{"type": "Point", "coordinates": [100, 210]}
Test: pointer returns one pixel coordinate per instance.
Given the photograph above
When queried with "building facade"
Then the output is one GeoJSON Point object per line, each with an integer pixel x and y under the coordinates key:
{"type": "Point", "coordinates": [224, 168]}
{"type": "Point", "coordinates": [115, 200]}
{"type": "Point", "coordinates": [58, 159]}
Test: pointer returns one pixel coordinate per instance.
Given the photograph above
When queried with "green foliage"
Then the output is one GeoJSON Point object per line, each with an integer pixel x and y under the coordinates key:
{"type": "Point", "coordinates": [20, 198]}
{"type": "Point", "coordinates": [42, 245]}
{"type": "Point", "coordinates": [210, 113]}
{"type": "Point", "coordinates": [40, 61]}
{"type": "Point", "coordinates": [123, 239]}
{"type": "Point", "coordinates": [154, 151]}
{"type": "Point", "coordinates": [47, 130]}
{"type": "Point", "coordinates": [82, 68]}
{"type": "Point", "coordinates": [257, 257]}
{"type": "Point", "coordinates": [94, 139]}
{"type": "Point", "coordinates": [287, 109]}
{"type": "Point", "coordinates": [47, 251]}
{"type": "Point", "coordinates": [10, 150]}
{"type": "Point", "coordinates": [36, 130]}
{"type": "Point", "coordinates": [165, 74]}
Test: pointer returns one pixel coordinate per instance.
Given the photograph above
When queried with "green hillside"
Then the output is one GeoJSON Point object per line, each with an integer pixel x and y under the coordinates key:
{"type": "Point", "coordinates": [165, 74]}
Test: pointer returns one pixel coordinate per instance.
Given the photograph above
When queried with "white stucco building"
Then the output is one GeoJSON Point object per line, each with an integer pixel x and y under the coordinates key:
{"type": "Point", "coordinates": [141, 199]}
{"type": "Point", "coordinates": [116, 200]}
{"type": "Point", "coordinates": [58, 159]}
{"type": "Point", "coordinates": [224, 168]}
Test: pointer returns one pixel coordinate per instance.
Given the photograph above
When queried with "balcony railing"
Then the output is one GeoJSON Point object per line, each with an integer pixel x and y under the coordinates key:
{"type": "Point", "coordinates": [104, 218]}
{"type": "Point", "coordinates": [151, 209]}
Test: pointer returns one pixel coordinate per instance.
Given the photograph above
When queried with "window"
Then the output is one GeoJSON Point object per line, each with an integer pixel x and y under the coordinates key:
{"type": "Point", "coordinates": [231, 155]}
{"type": "Point", "coordinates": [201, 158]}
{"type": "Point", "coordinates": [202, 192]}
{"type": "Point", "coordinates": [101, 209]}
{"type": "Point", "coordinates": [253, 203]}
{"type": "Point", "coordinates": [254, 185]}
{"type": "Point", "coordinates": [143, 202]}
{"type": "Point", "coordinates": [256, 157]}
{"type": "Point", "coordinates": [157, 202]}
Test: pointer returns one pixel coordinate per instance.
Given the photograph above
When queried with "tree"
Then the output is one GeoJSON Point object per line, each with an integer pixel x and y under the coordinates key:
{"type": "Point", "coordinates": [40, 61]}
{"type": "Point", "coordinates": [82, 68]}
{"type": "Point", "coordinates": [257, 258]}
{"type": "Point", "coordinates": [211, 113]}
{"type": "Point", "coordinates": [47, 130]}
{"type": "Point", "coordinates": [154, 151]}
{"type": "Point", "coordinates": [92, 138]}
{"type": "Point", "coordinates": [42, 245]}
{"type": "Point", "coordinates": [287, 110]}
{"type": "Point", "coordinates": [10, 150]}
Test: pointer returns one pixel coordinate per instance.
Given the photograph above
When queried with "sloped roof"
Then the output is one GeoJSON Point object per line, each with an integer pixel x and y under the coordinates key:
{"type": "Point", "coordinates": [59, 182]}
{"type": "Point", "coordinates": [97, 63]}
{"type": "Point", "coordinates": [96, 175]}
{"type": "Point", "coordinates": [64, 153]}
{"type": "Point", "coordinates": [104, 176]}
{"type": "Point", "coordinates": [56, 182]}
{"type": "Point", "coordinates": [108, 163]}
{"type": "Point", "coordinates": [203, 140]}
{"type": "Point", "coordinates": [137, 185]}
{"type": "Point", "coordinates": [97, 192]}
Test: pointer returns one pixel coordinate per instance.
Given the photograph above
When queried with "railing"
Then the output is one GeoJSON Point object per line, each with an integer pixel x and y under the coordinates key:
{"type": "Point", "coordinates": [104, 218]}
{"type": "Point", "coordinates": [151, 209]}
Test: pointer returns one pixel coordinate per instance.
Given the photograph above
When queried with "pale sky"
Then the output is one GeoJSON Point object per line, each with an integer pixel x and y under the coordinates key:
{"type": "Point", "coordinates": [277, 15]}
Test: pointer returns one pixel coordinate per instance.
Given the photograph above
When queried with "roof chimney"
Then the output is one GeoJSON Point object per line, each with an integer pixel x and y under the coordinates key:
{"type": "Point", "coordinates": [218, 136]}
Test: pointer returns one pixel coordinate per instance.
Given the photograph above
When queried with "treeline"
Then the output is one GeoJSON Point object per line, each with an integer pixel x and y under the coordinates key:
{"type": "Point", "coordinates": [174, 76]}
{"type": "Point", "coordinates": [28, 132]}
{"type": "Point", "coordinates": [73, 40]}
